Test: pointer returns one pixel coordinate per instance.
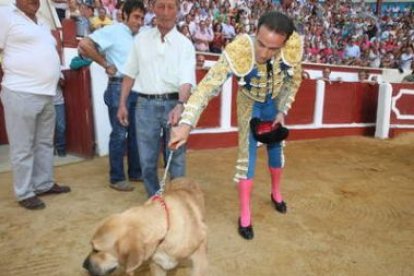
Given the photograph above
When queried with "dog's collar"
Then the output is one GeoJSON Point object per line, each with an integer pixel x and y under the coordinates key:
{"type": "Point", "coordinates": [163, 204]}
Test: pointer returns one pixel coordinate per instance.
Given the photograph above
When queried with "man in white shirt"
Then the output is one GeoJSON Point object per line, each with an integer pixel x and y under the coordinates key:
{"type": "Point", "coordinates": [161, 68]}
{"type": "Point", "coordinates": [27, 96]}
{"type": "Point", "coordinates": [228, 30]}
{"type": "Point", "coordinates": [406, 58]}
{"type": "Point", "coordinates": [352, 50]}
{"type": "Point", "coordinates": [149, 15]}
{"type": "Point", "coordinates": [202, 37]}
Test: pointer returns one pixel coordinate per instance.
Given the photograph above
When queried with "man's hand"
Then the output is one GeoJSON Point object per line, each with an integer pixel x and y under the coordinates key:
{"type": "Point", "coordinates": [179, 136]}
{"type": "Point", "coordinates": [122, 115]}
{"type": "Point", "coordinates": [280, 118]}
{"type": "Point", "coordinates": [111, 70]}
{"type": "Point", "coordinates": [175, 114]}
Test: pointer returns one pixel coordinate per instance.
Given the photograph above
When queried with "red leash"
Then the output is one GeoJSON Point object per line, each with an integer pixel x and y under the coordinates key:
{"type": "Point", "coordinates": [163, 204]}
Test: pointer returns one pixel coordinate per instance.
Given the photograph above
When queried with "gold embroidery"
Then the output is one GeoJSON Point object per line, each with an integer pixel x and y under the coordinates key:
{"type": "Point", "coordinates": [240, 55]}
{"type": "Point", "coordinates": [238, 59]}
{"type": "Point", "coordinates": [293, 50]}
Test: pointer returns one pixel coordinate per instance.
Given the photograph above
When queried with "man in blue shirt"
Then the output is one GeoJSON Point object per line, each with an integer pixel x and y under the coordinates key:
{"type": "Point", "coordinates": [109, 47]}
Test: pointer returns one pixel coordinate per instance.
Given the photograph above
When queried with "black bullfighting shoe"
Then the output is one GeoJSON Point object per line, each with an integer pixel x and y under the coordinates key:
{"type": "Point", "coordinates": [246, 232]}
{"type": "Point", "coordinates": [279, 206]}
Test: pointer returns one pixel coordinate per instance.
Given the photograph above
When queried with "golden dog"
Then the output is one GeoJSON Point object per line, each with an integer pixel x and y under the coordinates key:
{"type": "Point", "coordinates": [164, 230]}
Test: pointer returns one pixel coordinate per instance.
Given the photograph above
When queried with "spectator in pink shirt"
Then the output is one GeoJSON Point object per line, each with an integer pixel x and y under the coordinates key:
{"type": "Point", "coordinates": [202, 37]}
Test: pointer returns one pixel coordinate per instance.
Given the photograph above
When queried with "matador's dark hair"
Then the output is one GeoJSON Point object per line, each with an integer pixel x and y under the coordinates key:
{"type": "Point", "coordinates": [277, 22]}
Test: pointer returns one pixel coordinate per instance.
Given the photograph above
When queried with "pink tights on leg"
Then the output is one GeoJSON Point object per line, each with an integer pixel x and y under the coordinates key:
{"type": "Point", "coordinates": [276, 174]}
{"type": "Point", "coordinates": [245, 188]}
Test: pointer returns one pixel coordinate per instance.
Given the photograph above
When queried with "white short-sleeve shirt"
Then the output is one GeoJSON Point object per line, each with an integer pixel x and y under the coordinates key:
{"type": "Point", "coordinates": [30, 63]}
{"type": "Point", "coordinates": [160, 67]}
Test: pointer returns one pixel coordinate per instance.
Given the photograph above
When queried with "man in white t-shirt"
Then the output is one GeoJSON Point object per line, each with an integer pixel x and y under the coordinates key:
{"type": "Point", "coordinates": [161, 68]}
{"type": "Point", "coordinates": [406, 58]}
{"type": "Point", "coordinates": [27, 96]}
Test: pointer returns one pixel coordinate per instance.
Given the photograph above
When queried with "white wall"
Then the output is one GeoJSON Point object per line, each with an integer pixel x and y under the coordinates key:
{"type": "Point", "coordinates": [100, 112]}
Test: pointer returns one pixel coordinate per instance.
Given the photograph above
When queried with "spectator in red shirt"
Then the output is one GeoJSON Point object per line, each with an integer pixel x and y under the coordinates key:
{"type": "Point", "coordinates": [216, 46]}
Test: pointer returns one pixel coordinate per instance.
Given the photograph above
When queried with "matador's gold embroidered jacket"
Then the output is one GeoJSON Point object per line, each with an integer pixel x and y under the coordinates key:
{"type": "Point", "coordinates": [239, 59]}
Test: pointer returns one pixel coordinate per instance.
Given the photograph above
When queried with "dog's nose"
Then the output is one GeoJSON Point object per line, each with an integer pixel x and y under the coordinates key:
{"type": "Point", "coordinates": [86, 264]}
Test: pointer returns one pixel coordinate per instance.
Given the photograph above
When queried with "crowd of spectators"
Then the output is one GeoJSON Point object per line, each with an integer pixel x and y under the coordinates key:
{"type": "Point", "coordinates": [334, 32]}
{"type": "Point", "coordinates": [348, 33]}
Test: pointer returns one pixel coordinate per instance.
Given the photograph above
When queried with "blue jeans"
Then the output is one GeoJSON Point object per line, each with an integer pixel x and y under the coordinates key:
{"type": "Point", "coordinates": [266, 111]}
{"type": "Point", "coordinates": [60, 128]}
{"type": "Point", "coordinates": [151, 119]}
{"type": "Point", "coordinates": [122, 139]}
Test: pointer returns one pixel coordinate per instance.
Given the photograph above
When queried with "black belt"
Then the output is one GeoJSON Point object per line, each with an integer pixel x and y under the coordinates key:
{"type": "Point", "coordinates": [167, 96]}
{"type": "Point", "coordinates": [115, 79]}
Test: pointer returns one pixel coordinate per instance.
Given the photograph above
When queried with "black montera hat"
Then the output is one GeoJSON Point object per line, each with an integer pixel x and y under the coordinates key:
{"type": "Point", "coordinates": [265, 133]}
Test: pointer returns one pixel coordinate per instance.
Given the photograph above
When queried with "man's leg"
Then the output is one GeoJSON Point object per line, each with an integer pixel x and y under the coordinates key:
{"type": "Point", "coordinates": [134, 166]}
{"type": "Point", "coordinates": [117, 138]}
{"type": "Point", "coordinates": [43, 147]}
{"type": "Point", "coordinates": [276, 162]}
{"type": "Point", "coordinates": [117, 147]}
{"type": "Point", "coordinates": [20, 110]}
{"type": "Point", "coordinates": [178, 161]}
{"type": "Point", "coordinates": [60, 130]}
{"type": "Point", "coordinates": [148, 125]}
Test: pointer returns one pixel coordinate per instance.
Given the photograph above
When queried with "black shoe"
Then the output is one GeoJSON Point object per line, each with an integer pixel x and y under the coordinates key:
{"type": "Point", "coordinates": [32, 203]}
{"type": "Point", "coordinates": [279, 206]}
{"type": "Point", "coordinates": [246, 232]}
{"type": "Point", "coordinates": [55, 189]}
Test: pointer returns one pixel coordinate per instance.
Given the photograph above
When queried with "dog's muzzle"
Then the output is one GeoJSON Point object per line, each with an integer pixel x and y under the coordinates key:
{"type": "Point", "coordinates": [94, 270]}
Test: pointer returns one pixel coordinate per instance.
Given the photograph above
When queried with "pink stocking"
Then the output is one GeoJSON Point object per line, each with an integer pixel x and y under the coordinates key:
{"type": "Point", "coordinates": [245, 188]}
{"type": "Point", "coordinates": [276, 174]}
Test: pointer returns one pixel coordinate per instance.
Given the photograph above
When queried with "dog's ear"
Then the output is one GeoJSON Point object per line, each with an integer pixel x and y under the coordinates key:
{"type": "Point", "coordinates": [130, 252]}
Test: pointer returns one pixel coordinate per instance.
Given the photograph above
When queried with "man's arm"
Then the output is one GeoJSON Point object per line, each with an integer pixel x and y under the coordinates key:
{"type": "Point", "coordinates": [122, 114]}
{"type": "Point", "coordinates": [184, 94]}
{"type": "Point", "coordinates": [88, 48]}
{"type": "Point", "coordinates": [206, 89]}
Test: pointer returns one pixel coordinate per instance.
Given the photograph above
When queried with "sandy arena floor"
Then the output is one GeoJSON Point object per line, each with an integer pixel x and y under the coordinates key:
{"type": "Point", "coordinates": [350, 212]}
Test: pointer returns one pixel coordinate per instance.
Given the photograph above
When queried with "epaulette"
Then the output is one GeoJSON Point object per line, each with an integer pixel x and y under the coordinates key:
{"type": "Point", "coordinates": [292, 51]}
{"type": "Point", "coordinates": [240, 55]}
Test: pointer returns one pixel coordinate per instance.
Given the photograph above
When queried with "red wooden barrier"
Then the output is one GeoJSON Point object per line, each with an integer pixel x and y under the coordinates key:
{"type": "Point", "coordinates": [3, 134]}
{"type": "Point", "coordinates": [303, 107]}
{"type": "Point", "coordinates": [213, 108]}
{"type": "Point", "coordinates": [405, 106]}
{"type": "Point", "coordinates": [79, 117]}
